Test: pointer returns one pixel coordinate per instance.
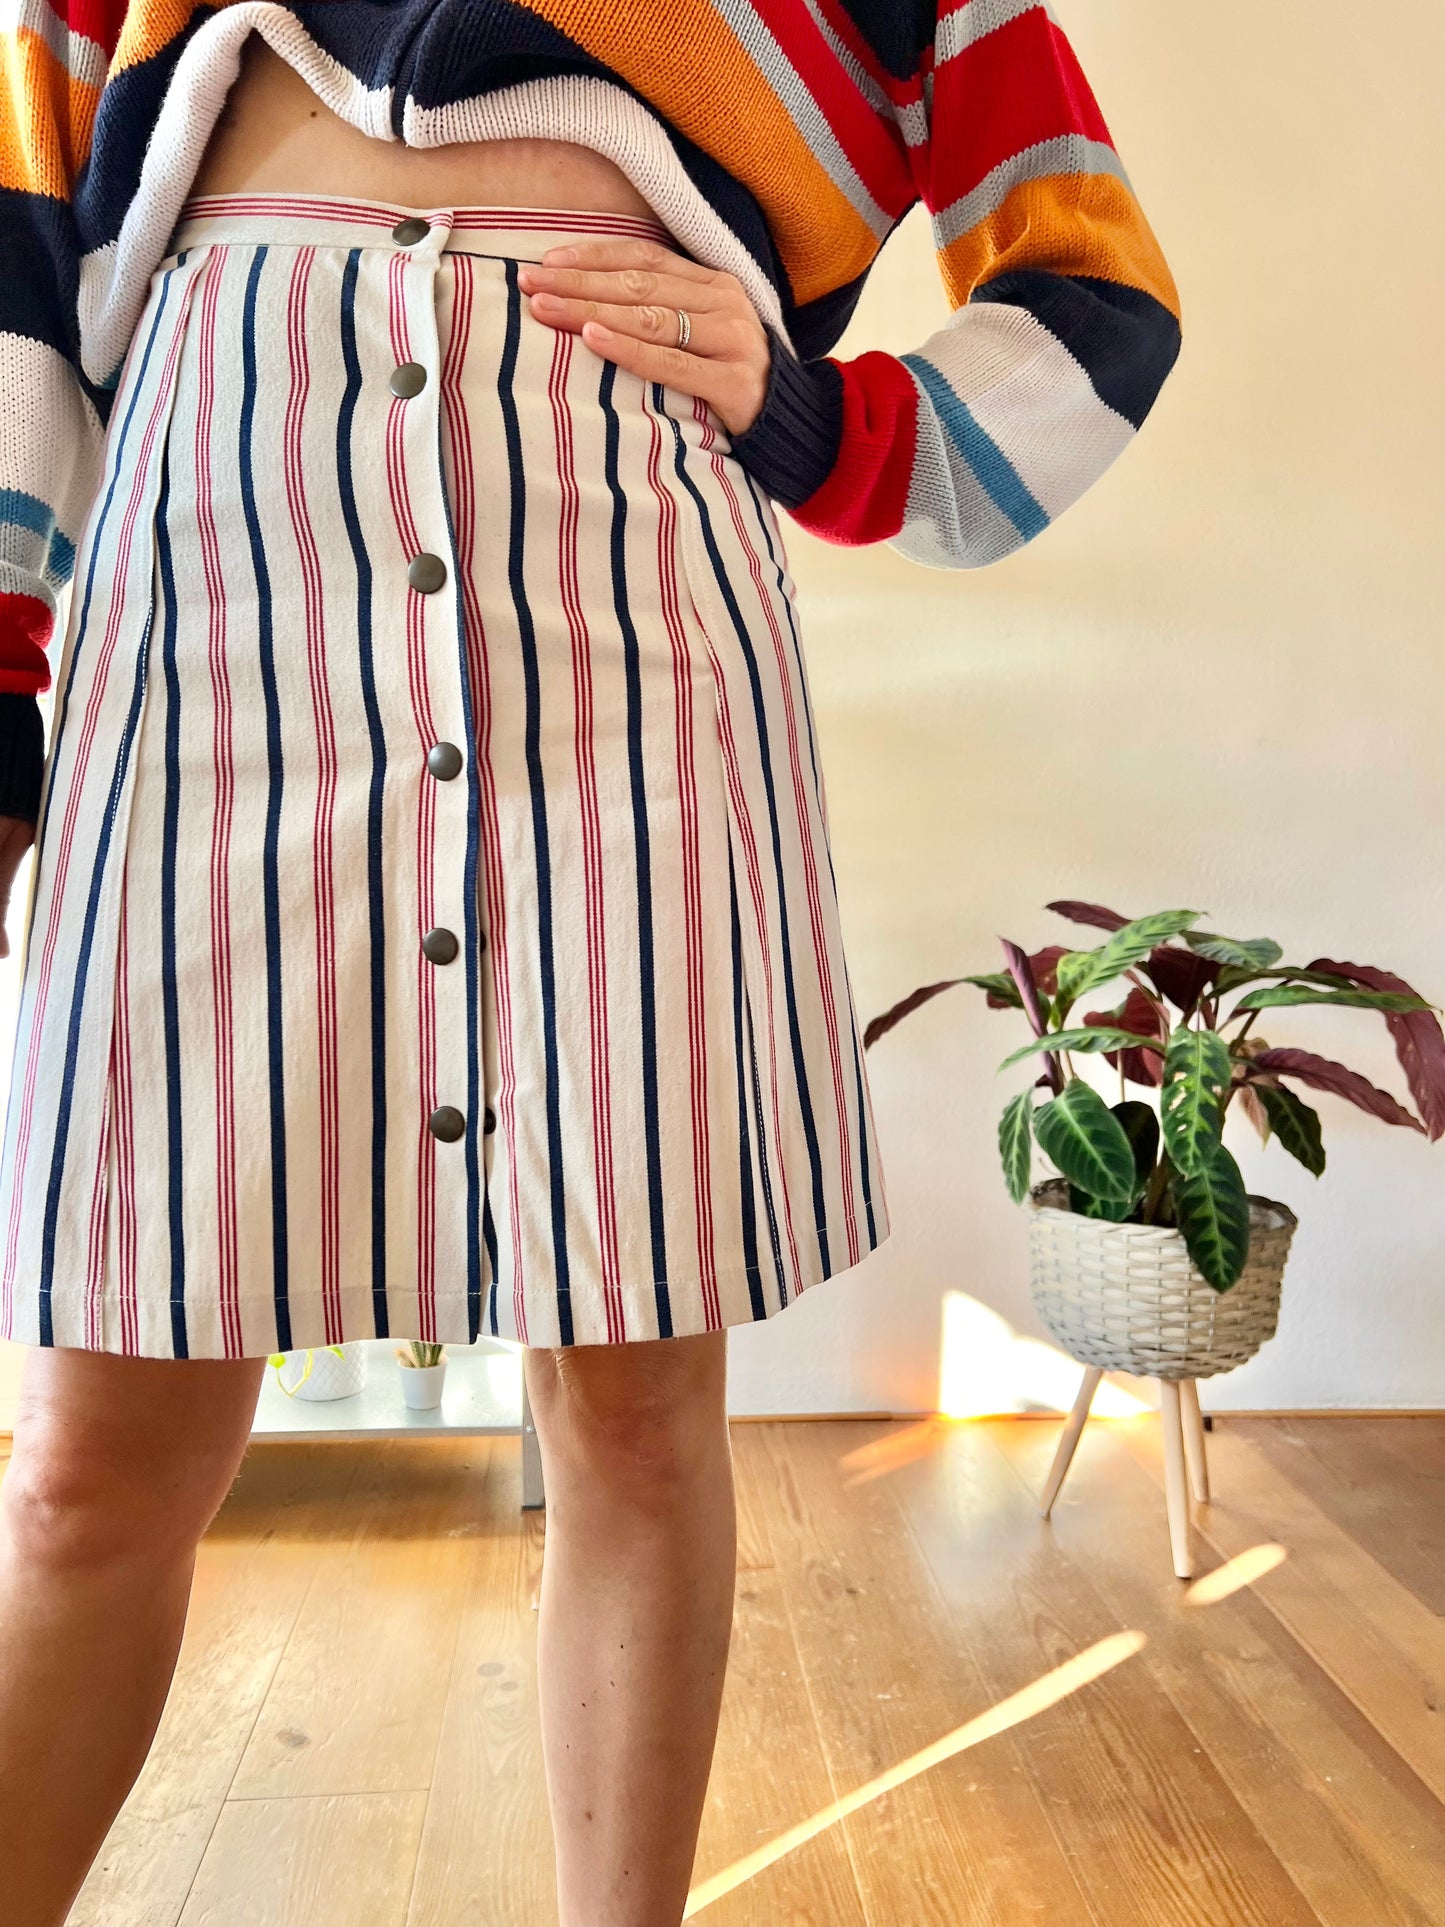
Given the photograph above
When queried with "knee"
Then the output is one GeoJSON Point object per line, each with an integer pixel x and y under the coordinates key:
{"type": "Point", "coordinates": [643, 1413]}
{"type": "Point", "coordinates": [70, 1506]}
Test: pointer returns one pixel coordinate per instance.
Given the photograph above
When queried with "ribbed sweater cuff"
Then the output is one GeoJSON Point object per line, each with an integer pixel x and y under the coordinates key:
{"type": "Point", "coordinates": [791, 447]}
{"type": "Point", "coordinates": [22, 755]}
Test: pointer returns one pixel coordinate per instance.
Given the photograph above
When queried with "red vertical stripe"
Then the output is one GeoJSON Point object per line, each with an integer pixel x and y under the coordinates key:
{"type": "Point", "coordinates": [227, 1229]}
{"type": "Point", "coordinates": [594, 907]}
{"type": "Point", "coordinates": [323, 834]}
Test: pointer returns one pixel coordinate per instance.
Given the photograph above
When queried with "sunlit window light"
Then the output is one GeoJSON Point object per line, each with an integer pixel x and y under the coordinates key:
{"type": "Point", "coordinates": [987, 1368]}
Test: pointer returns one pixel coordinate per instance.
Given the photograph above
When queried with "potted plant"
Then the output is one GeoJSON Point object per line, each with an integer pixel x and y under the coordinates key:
{"type": "Point", "coordinates": [1147, 1255]}
{"type": "Point", "coordinates": [423, 1374]}
{"type": "Point", "coordinates": [333, 1371]}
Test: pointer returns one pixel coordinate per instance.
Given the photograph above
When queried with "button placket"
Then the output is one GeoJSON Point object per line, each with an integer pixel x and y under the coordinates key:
{"type": "Point", "coordinates": [429, 573]}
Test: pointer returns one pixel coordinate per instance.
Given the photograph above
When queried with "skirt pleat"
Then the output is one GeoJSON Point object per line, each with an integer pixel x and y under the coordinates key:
{"type": "Point", "coordinates": [434, 930]}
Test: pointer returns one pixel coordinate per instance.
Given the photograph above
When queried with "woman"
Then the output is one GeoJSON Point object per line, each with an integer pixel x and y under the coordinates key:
{"type": "Point", "coordinates": [432, 928]}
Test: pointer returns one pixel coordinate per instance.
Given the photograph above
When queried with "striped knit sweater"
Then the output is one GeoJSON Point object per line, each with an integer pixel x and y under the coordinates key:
{"type": "Point", "coordinates": [782, 140]}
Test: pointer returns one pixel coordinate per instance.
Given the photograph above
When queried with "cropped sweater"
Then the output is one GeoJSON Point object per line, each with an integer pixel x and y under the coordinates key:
{"type": "Point", "coordinates": [781, 140]}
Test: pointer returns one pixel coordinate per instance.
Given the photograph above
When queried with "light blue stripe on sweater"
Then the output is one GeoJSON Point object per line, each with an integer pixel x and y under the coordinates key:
{"type": "Point", "coordinates": [28, 512]}
{"type": "Point", "coordinates": [996, 473]}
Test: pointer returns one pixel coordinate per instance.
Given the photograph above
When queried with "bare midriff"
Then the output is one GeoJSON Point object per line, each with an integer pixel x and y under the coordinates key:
{"type": "Point", "coordinates": [275, 136]}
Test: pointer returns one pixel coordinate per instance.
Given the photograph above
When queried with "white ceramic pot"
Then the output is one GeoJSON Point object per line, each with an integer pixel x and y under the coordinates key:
{"type": "Point", "coordinates": [330, 1376]}
{"type": "Point", "coordinates": [421, 1385]}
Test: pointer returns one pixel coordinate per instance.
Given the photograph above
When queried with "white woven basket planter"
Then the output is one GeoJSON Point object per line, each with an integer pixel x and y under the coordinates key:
{"type": "Point", "coordinates": [1129, 1298]}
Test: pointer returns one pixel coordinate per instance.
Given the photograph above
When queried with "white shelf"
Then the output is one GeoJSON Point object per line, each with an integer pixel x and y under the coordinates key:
{"type": "Point", "coordinates": [483, 1394]}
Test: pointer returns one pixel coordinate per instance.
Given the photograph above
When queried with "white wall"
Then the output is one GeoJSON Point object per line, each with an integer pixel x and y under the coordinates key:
{"type": "Point", "coordinates": [1218, 683]}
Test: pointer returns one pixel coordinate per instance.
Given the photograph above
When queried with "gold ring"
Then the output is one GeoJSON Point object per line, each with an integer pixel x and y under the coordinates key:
{"type": "Point", "coordinates": [684, 327]}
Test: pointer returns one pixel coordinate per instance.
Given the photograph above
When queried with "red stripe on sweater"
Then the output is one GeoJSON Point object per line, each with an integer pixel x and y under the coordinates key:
{"type": "Point", "coordinates": [25, 626]}
{"type": "Point", "coordinates": [870, 143]}
{"type": "Point", "coordinates": [1016, 87]}
{"type": "Point", "coordinates": [864, 498]}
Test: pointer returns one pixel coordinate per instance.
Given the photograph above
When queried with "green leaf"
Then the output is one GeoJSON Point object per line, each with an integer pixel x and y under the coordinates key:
{"type": "Point", "coordinates": [1295, 1124]}
{"type": "Point", "coordinates": [1272, 994]}
{"type": "Point", "coordinates": [1079, 1132]}
{"type": "Point", "coordinates": [1141, 1127]}
{"type": "Point", "coordinates": [1197, 1068]}
{"type": "Point", "coordinates": [1253, 953]}
{"type": "Point", "coordinates": [1081, 970]}
{"type": "Point", "coordinates": [1016, 1143]}
{"type": "Point", "coordinates": [1213, 1212]}
{"type": "Point", "coordinates": [1000, 984]}
{"type": "Point", "coordinates": [1111, 1210]}
{"type": "Point", "coordinates": [1092, 1037]}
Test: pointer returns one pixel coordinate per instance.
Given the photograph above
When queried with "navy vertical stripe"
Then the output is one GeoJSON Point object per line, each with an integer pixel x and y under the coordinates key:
{"type": "Point", "coordinates": [471, 918]}
{"type": "Point", "coordinates": [82, 627]}
{"type": "Point", "coordinates": [859, 1096]}
{"type": "Point", "coordinates": [79, 983]}
{"type": "Point", "coordinates": [270, 878]}
{"type": "Point", "coordinates": [742, 1045]}
{"type": "Point", "coordinates": [170, 996]}
{"type": "Point", "coordinates": [375, 879]}
{"type": "Point", "coordinates": [637, 779]}
{"type": "Point", "coordinates": [745, 641]}
{"type": "Point", "coordinates": [516, 576]}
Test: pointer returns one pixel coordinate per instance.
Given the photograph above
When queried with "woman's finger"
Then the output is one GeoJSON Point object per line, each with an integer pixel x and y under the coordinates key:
{"type": "Point", "coordinates": [709, 334]}
{"type": "Point", "coordinates": [674, 367]}
{"type": "Point", "coordinates": [615, 254]}
{"type": "Point", "coordinates": [625, 287]}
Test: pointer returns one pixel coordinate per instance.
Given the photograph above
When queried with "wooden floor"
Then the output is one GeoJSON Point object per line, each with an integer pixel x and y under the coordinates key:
{"type": "Point", "coordinates": [351, 1741]}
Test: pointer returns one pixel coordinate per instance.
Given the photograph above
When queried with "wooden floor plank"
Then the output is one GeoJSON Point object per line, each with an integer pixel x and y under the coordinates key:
{"type": "Point", "coordinates": [485, 1858]}
{"type": "Point", "coordinates": [253, 1573]}
{"type": "Point", "coordinates": [326, 1861]}
{"type": "Point", "coordinates": [966, 1843]}
{"type": "Point", "coordinates": [1380, 1480]}
{"type": "Point", "coordinates": [356, 1703]}
{"type": "Point", "coordinates": [1357, 1831]}
{"type": "Point", "coordinates": [1152, 1828]}
{"type": "Point", "coordinates": [1371, 1633]}
{"type": "Point", "coordinates": [770, 1770]}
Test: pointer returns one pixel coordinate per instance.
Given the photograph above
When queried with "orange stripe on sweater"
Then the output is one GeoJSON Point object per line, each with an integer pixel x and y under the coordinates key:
{"type": "Point", "coordinates": [46, 118]}
{"type": "Point", "coordinates": [699, 76]}
{"type": "Point", "coordinates": [1066, 224]}
{"type": "Point", "coordinates": [152, 25]}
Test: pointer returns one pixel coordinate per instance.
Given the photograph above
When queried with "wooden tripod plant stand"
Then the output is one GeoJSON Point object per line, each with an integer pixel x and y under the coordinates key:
{"type": "Point", "coordinates": [1186, 1468]}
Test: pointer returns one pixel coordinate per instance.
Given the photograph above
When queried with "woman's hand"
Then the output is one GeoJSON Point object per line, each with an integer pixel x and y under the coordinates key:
{"type": "Point", "coordinates": [622, 297]}
{"type": "Point", "coordinates": [16, 836]}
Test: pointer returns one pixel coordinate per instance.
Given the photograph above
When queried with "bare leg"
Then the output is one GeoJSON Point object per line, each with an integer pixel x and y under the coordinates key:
{"type": "Point", "coordinates": [118, 1467]}
{"type": "Point", "coordinates": [636, 1615]}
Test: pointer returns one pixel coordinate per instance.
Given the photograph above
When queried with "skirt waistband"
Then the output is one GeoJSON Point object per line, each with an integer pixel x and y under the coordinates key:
{"type": "Point", "coordinates": [323, 220]}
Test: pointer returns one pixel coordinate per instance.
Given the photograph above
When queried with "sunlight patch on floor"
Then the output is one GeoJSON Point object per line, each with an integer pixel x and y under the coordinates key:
{"type": "Point", "coordinates": [1036, 1698]}
{"type": "Point", "coordinates": [1247, 1569]}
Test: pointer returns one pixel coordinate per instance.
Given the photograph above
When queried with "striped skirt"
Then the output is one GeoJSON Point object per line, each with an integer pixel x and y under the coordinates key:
{"type": "Point", "coordinates": [433, 930]}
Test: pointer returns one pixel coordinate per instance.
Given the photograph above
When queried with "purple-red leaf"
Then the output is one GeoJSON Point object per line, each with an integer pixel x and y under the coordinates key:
{"type": "Point", "coordinates": [880, 1025]}
{"type": "Point", "coordinates": [1323, 1074]}
{"type": "Point", "coordinates": [1045, 966]}
{"type": "Point", "coordinates": [1419, 1040]}
{"type": "Point", "coordinates": [1180, 975]}
{"type": "Point", "coordinates": [1093, 913]}
{"type": "Point", "coordinates": [1142, 1015]}
{"type": "Point", "coordinates": [1022, 972]}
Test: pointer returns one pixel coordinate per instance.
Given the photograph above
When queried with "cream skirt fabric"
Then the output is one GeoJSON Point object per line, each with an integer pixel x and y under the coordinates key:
{"type": "Point", "coordinates": [433, 930]}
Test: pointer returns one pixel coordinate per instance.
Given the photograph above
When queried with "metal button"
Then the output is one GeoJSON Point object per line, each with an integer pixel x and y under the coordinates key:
{"type": "Point", "coordinates": [426, 572]}
{"type": "Point", "coordinates": [489, 1119]}
{"type": "Point", "coordinates": [444, 760]}
{"type": "Point", "coordinates": [407, 233]}
{"type": "Point", "coordinates": [439, 946]}
{"type": "Point", "coordinates": [447, 1123]}
{"type": "Point", "coordinates": [408, 380]}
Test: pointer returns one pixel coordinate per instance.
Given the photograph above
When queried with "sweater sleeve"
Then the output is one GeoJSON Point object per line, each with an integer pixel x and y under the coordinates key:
{"type": "Point", "coordinates": [1063, 324]}
{"type": "Point", "coordinates": [52, 67]}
